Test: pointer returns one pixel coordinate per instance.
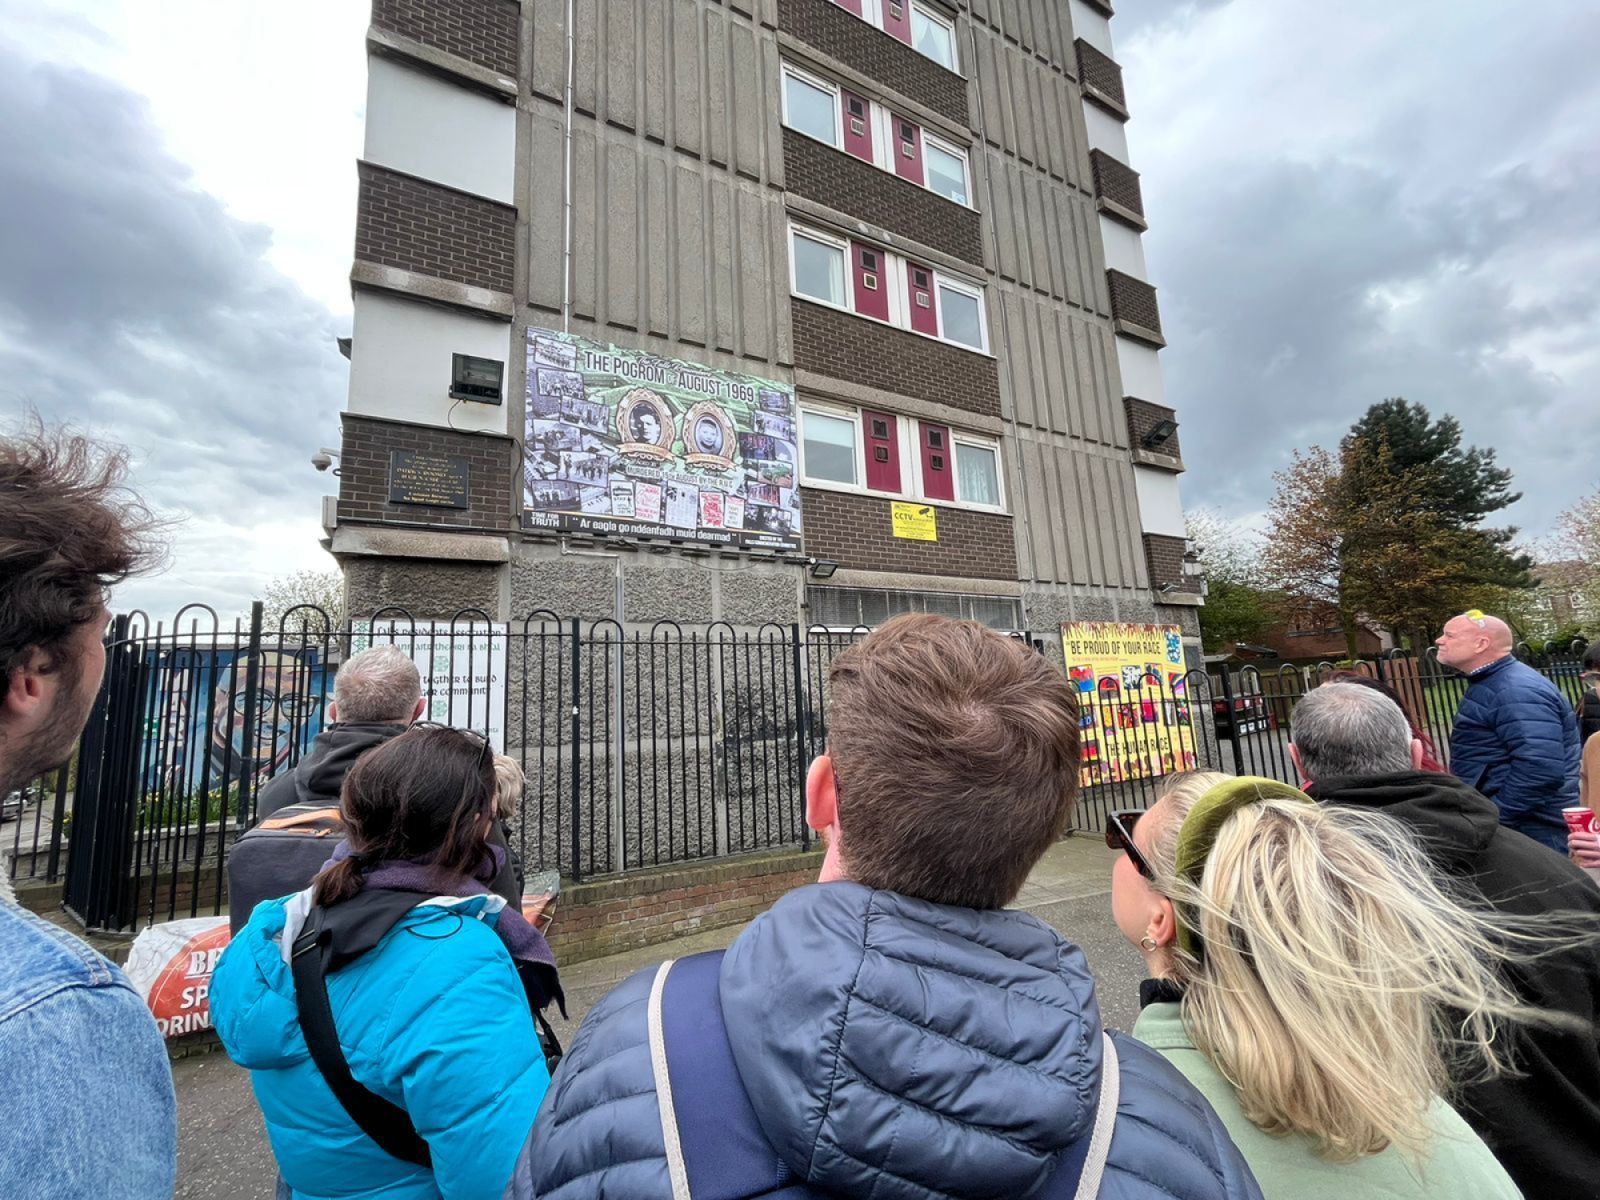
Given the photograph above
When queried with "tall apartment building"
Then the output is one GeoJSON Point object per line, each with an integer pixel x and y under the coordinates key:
{"type": "Point", "coordinates": [901, 238]}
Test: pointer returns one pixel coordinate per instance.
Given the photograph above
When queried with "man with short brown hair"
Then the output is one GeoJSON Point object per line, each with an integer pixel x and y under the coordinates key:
{"type": "Point", "coordinates": [89, 1100]}
{"type": "Point", "coordinates": [891, 1032]}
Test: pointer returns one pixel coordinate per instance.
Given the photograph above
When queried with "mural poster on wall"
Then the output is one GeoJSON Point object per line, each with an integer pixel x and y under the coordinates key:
{"type": "Point", "coordinates": [628, 443]}
{"type": "Point", "coordinates": [1133, 697]}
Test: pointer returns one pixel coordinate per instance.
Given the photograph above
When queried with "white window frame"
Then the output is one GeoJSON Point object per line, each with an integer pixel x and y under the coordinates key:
{"type": "Point", "coordinates": [824, 239]}
{"type": "Point", "coordinates": [978, 442]}
{"type": "Point", "coordinates": [954, 151]}
{"type": "Point", "coordinates": [838, 413]}
{"type": "Point", "coordinates": [949, 26]}
{"type": "Point", "coordinates": [822, 85]}
{"type": "Point", "coordinates": [892, 273]}
{"type": "Point", "coordinates": [942, 281]}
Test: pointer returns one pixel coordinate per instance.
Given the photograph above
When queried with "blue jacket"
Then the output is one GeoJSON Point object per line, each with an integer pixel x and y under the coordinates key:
{"type": "Point", "coordinates": [1516, 741]}
{"type": "Point", "coordinates": [892, 1049]}
{"type": "Point", "coordinates": [433, 1019]}
{"type": "Point", "coordinates": [89, 1103]}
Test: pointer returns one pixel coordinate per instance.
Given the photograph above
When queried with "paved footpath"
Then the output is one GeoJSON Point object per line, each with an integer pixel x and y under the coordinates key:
{"type": "Point", "coordinates": [222, 1147]}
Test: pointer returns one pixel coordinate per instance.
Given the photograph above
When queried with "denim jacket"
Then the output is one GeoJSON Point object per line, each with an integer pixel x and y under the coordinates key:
{"type": "Point", "coordinates": [88, 1091]}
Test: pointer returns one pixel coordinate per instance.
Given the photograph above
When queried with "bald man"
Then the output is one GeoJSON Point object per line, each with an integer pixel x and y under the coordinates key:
{"type": "Point", "coordinates": [1515, 737]}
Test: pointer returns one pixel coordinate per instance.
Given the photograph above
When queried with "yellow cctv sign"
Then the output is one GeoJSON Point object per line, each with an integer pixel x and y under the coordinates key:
{"type": "Point", "coordinates": [914, 521]}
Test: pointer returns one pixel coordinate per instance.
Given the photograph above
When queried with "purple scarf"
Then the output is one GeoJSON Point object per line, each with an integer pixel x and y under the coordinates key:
{"type": "Point", "coordinates": [526, 943]}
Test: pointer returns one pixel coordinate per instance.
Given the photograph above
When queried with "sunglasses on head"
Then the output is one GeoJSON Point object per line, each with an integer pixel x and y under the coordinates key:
{"type": "Point", "coordinates": [1119, 836]}
{"type": "Point", "coordinates": [484, 749]}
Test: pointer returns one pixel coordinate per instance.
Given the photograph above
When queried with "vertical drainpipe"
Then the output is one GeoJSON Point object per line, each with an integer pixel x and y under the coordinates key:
{"type": "Point", "coordinates": [566, 177]}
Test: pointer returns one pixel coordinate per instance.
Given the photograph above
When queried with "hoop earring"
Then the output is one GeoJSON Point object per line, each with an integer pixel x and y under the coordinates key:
{"type": "Point", "coordinates": [1148, 944]}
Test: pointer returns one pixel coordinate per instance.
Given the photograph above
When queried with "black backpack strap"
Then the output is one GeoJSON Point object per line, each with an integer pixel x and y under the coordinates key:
{"type": "Point", "coordinates": [385, 1123]}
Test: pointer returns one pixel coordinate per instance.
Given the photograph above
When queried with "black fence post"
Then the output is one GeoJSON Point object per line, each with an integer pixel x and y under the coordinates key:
{"type": "Point", "coordinates": [577, 754]}
{"type": "Point", "coordinates": [252, 721]}
{"type": "Point", "coordinates": [802, 713]}
{"type": "Point", "coordinates": [1233, 720]}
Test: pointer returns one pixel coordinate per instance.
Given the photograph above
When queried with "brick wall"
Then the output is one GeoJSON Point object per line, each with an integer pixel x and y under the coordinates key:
{"type": "Point", "coordinates": [364, 474]}
{"type": "Point", "coordinates": [1117, 182]}
{"type": "Point", "coordinates": [860, 189]}
{"type": "Point", "coordinates": [1101, 6]}
{"type": "Point", "coordinates": [480, 31]}
{"type": "Point", "coordinates": [856, 532]}
{"type": "Point", "coordinates": [1133, 300]}
{"type": "Point", "coordinates": [858, 350]}
{"type": "Point", "coordinates": [1144, 416]}
{"type": "Point", "coordinates": [1164, 555]}
{"type": "Point", "coordinates": [613, 915]}
{"type": "Point", "coordinates": [1101, 79]}
{"type": "Point", "coordinates": [846, 37]}
{"type": "Point", "coordinates": [418, 226]}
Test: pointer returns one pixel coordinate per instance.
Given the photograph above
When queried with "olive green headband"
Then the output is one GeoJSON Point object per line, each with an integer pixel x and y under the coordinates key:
{"type": "Point", "coordinates": [1197, 836]}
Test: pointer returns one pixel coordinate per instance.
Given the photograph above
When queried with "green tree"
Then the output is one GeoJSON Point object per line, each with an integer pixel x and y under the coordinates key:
{"type": "Point", "coordinates": [1239, 606]}
{"type": "Point", "coordinates": [1454, 488]}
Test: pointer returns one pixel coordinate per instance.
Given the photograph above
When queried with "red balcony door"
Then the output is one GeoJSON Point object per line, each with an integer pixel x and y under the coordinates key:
{"type": "Point", "coordinates": [938, 468]}
{"type": "Point", "coordinates": [883, 451]}
{"type": "Point", "coordinates": [897, 19]}
{"type": "Point", "coordinates": [907, 149]}
{"type": "Point", "coordinates": [919, 299]}
{"type": "Point", "coordinates": [872, 297]}
{"type": "Point", "coordinates": [857, 125]}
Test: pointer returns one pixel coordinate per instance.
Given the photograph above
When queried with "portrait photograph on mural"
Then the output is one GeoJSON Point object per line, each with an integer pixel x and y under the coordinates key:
{"type": "Point", "coordinates": [625, 442]}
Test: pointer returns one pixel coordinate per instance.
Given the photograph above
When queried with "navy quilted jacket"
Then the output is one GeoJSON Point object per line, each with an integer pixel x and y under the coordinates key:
{"type": "Point", "coordinates": [897, 1050]}
{"type": "Point", "coordinates": [1516, 741]}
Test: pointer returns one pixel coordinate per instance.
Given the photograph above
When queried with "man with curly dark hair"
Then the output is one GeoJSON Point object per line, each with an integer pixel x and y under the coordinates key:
{"type": "Point", "coordinates": [90, 1107]}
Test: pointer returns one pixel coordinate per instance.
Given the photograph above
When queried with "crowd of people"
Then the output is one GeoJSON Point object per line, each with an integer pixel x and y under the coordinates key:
{"type": "Point", "coordinates": [1384, 982]}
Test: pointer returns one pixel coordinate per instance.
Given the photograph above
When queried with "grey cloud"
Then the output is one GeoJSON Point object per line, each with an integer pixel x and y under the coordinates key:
{"type": "Point", "coordinates": [1457, 271]}
{"type": "Point", "coordinates": [131, 301]}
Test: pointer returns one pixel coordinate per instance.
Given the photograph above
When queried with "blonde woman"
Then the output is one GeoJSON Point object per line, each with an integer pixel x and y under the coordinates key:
{"type": "Point", "coordinates": [1302, 961]}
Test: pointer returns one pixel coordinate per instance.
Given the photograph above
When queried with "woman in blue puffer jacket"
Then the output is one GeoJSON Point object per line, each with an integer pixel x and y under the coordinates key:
{"type": "Point", "coordinates": [434, 1018]}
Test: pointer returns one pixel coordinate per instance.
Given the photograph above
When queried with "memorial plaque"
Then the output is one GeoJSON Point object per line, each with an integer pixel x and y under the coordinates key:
{"type": "Point", "coordinates": [416, 477]}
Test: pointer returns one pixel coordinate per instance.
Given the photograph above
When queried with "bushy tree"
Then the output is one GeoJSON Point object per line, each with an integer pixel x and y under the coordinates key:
{"type": "Point", "coordinates": [1239, 606]}
{"type": "Point", "coordinates": [324, 589]}
{"type": "Point", "coordinates": [1389, 531]}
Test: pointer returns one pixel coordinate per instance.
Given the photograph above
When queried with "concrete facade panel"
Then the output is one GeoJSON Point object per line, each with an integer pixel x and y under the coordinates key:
{"type": "Point", "coordinates": [1141, 371]}
{"type": "Point", "coordinates": [436, 130]}
{"type": "Point", "coordinates": [400, 361]}
{"type": "Point", "coordinates": [1160, 508]}
{"type": "Point", "coordinates": [1105, 132]}
{"type": "Point", "coordinates": [1093, 27]}
{"type": "Point", "coordinates": [1124, 247]}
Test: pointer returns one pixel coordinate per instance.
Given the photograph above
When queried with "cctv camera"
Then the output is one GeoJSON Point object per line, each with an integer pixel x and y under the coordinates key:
{"type": "Point", "coordinates": [321, 460]}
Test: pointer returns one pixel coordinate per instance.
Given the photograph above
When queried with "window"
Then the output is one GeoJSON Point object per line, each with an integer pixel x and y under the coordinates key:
{"type": "Point", "coordinates": [977, 473]}
{"type": "Point", "coordinates": [810, 107]}
{"type": "Point", "coordinates": [884, 286]}
{"type": "Point", "coordinates": [846, 608]}
{"type": "Point", "coordinates": [474, 378]}
{"type": "Point", "coordinates": [933, 36]}
{"type": "Point", "coordinates": [828, 447]}
{"type": "Point", "coordinates": [961, 315]}
{"type": "Point", "coordinates": [946, 170]}
{"type": "Point", "coordinates": [818, 269]}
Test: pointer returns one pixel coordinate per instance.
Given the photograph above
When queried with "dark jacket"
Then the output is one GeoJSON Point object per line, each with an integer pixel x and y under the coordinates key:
{"type": "Point", "coordinates": [319, 775]}
{"type": "Point", "coordinates": [1516, 740]}
{"type": "Point", "coordinates": [1588, 715]}
{"type": "Point", "coordinates": [895, 1049]}
{"type": "Point", "coordinates": [1544, 1126]}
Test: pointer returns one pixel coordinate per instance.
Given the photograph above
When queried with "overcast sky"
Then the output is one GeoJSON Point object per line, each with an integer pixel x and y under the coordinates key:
{"type": "Point", "coordinates": [1347, 202]}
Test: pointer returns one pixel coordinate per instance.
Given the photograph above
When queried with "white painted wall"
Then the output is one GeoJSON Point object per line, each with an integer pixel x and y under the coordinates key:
{"type": "Point", "coordinates": [400, 357]}
{"type": "Point", "coordinates": [1141, 371]}
{"type": "Point", "coordinates": [1160, 509]}
{"type": "Point", "coordinates": [1092, 27]}
{"type": "Point", "coordinates": [439, 131]}
{"type": "Point", "coordinates": [1105, 133]}
{"type": "Point", "coordinates": [1124, 249]}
